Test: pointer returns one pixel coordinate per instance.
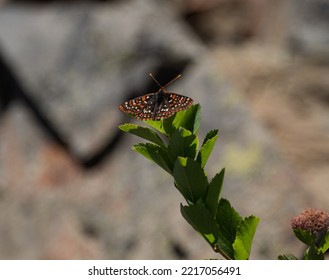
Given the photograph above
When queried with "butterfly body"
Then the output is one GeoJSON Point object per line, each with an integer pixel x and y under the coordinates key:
{"type": "Point", "coordinates": [157, 105]}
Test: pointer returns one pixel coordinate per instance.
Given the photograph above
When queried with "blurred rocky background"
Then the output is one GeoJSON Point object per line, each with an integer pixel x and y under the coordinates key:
{"type": "Point", "coordinates": [70, 185]}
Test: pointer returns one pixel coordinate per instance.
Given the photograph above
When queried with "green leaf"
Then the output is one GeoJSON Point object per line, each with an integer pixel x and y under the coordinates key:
{"type": "Point", "coordinates": [287, 257]}
{"type": "Point", "coordinates": [189, 119]}
{"type": "Point", "coordinates": [324, 243]}
{"type": "Point", "coordinates": [156, 154]}
{"type": "Point", "coordinates": [305, 236]}
{"type": "Point", "coordinates": [183, 143]}
{"type": "Point", "coordinates": [164, 126]}
{"type": "Point", "coordinates": [207, 146]}
{"type": "Point", "coordinates": [312, 254]}
{"type": "Point", "coordinates": [202, 221]}
{"type": "Point", "coordinates": [213, 193]}
{"type": "Point", "coordinates": [143, 132]}
{"type": "Point", "coordinates": [244, 236]}
{"type": "Point", "coordinates": [190, 179]}
{"type": "Point", "coordinates": [228, 221]}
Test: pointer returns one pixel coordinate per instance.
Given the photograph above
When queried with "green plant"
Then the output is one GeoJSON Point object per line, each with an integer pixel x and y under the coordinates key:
{"type": "Point", "coordinates": [174, 146]}
{"type": "Point", "coordinates": [311, 228]}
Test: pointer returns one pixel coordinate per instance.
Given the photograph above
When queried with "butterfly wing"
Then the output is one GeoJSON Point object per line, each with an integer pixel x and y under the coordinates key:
{"type": "Point", "coordinates": [137, 105]}
{"type": "Point", "coordinates": [178, 102]}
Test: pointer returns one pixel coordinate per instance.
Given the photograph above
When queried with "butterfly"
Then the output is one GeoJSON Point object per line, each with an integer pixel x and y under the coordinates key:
{"type": "Point", "coordinates": [157, 105]}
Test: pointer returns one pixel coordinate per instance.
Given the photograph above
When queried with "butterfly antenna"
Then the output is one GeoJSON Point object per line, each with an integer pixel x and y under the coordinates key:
{"type": "Point", "coordinates": [167, 83]}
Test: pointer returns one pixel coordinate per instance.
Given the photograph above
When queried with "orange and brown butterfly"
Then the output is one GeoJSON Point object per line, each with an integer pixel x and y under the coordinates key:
{"type": "Point", "coordinates": [156, 105]}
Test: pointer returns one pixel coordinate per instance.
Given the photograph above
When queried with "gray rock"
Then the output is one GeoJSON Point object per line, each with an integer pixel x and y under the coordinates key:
{"type": "Point", "coordinates": [309, 29]}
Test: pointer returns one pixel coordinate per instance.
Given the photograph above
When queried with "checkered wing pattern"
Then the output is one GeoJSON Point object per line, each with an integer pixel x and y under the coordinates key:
{"type": "Point", "coordinates": [137, 105]}
{"type": "Point", "coordinates": [156, 106]}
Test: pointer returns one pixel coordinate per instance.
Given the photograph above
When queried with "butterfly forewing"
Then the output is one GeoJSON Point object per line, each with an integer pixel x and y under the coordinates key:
{"type": "Point", "coordinates": [179, 102]}
{"type": "Point", "coordinates": [136, 105]}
